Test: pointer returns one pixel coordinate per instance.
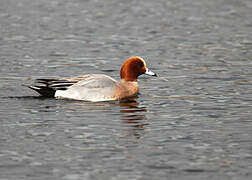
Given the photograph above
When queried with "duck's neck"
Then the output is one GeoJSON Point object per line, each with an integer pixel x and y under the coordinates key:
{"type": "Point", "coordinates": [129, 78]}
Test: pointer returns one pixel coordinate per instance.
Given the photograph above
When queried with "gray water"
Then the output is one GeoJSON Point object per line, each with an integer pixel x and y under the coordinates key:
{"type": "Point", "coordinates": [193, 121]}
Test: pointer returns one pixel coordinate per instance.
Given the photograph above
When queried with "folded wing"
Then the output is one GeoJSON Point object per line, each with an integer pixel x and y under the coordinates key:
{"type": "Point", "coordinates": [94, 87]}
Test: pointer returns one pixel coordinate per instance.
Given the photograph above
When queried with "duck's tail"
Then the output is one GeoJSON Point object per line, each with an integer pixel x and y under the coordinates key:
{"type": "Point", "coordinates": [45, 91]}
{"type": "Point", "coordinates": [48, 87]}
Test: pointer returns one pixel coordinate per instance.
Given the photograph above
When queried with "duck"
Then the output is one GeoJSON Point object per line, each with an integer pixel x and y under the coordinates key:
{"type": "Point", "coordinates": [95, 87]}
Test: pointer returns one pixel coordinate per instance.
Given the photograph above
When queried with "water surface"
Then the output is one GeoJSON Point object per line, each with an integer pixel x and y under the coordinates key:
{"type": "Point", "coordinates": [191, 122]}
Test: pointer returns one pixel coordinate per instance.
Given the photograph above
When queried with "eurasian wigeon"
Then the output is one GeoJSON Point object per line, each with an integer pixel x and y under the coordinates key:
{"type": "Point", "coordinates": [96, 87]}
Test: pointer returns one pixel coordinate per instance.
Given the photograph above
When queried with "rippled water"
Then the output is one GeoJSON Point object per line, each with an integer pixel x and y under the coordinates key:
{"type": "Point", "coordinates": [194, 121]}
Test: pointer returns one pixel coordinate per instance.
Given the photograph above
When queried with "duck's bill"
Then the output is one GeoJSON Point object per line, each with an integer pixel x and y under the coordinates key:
{"type": "Point", "coordinates": [149, 72]}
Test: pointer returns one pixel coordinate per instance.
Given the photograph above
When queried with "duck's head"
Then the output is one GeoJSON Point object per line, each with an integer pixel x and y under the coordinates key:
{"type": "Point", "coordinates": [134, 67]}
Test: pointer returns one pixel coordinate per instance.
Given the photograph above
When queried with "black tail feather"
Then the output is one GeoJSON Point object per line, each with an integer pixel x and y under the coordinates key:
{"type": "Point", "coordinates": [55, 82]}
{"type": "Point", "coordinates": [43, 90]}
{"type": "Point", "coordinates": [48, 87]}
{"type": "Point", "coordinates": [60, 85]}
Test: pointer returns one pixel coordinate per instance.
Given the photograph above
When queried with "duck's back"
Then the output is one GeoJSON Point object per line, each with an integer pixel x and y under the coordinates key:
{"type": "Point", "coordinates": [92, 87]}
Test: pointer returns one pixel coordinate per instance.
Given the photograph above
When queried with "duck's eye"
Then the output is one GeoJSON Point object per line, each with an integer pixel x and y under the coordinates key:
{"type": "Point", "coordinates": [141, 64]}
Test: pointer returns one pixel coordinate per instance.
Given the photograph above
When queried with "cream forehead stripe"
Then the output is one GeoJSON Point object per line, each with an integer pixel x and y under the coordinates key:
{"type": "Point", "coordinates": [142, 61]}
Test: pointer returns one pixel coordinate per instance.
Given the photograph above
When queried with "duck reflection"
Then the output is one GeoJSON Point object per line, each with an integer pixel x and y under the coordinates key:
{"type": "Point", "coordinates": [131, 113]}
